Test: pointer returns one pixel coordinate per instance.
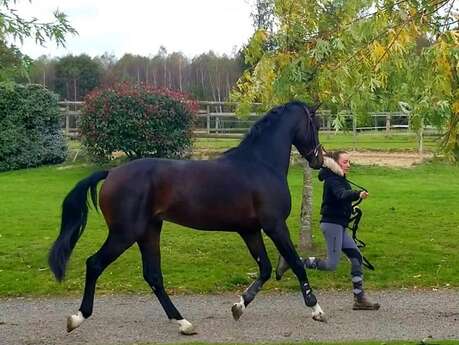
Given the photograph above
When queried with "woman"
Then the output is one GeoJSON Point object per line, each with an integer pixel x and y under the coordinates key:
{"type": "Point", "coordinates": [336, 210]}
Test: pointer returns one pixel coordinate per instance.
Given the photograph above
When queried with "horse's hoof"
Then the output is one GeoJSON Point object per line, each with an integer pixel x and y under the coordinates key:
{"type": "Point", "coordinates": [319, 317]}
{"type": "Point", "coordinates": [186, 328]}
{"type": "Point", "coordinates": [190, 331]}
{"type": "Point", "coordinates": [237, 311]}
{"type": "Point", "coordinates": [74, 321]}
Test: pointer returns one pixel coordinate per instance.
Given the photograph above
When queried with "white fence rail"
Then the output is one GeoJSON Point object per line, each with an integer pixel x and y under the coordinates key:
{"type": "Point", "coordinates": [217, 119]}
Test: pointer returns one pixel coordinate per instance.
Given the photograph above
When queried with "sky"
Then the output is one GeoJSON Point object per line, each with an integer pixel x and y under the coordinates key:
{"type": "Point", "coordinates": [143, 26]}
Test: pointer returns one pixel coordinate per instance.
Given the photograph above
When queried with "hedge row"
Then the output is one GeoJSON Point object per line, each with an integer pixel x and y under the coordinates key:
{"type": "Point", "coordinates": [30, 132]}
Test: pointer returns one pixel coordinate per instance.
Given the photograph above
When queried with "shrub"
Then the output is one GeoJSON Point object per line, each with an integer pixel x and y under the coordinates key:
{"type": "Point", "coordinates": [30, 133]}
{"type": "Point", "coordinates": [139, 120]}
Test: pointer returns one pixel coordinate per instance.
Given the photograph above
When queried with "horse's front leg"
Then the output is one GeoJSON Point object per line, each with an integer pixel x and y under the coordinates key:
{"type": "Point", "coordinates": [279, 234]}
{"type": "Point", "coordinates": [254, 242]}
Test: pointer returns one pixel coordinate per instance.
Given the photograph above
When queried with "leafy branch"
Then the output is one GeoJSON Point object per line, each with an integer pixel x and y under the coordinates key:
{"type": "Point", "coordinates": [18, 28]}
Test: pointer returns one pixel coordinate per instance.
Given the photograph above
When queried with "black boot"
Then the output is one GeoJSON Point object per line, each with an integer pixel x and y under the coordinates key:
{"type": "Point", "coordinates": [362, 302]}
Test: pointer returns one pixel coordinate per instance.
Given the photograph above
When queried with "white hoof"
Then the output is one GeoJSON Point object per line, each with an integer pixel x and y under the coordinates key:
{"type": "Point", "coordinates": [238, 309]}
{"type": "Point", "coordinates": [318, 314]}
{"type": "Point", "coordinates": [74, 321]}
{"type": "Point", "coordinates": [185, 327]}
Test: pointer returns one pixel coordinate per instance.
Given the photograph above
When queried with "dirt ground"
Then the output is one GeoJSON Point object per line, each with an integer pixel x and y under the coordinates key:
{"type": "Point", "coordinates": [272, 317]}
{"type": "Point", "coordinates": [380, 158]}
{"type": "Point", "coordinates": [391, 159]}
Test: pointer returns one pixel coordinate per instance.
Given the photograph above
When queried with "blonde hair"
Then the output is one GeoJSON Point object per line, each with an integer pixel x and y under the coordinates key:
{"type": "Point", "coordinates": [335, 155]}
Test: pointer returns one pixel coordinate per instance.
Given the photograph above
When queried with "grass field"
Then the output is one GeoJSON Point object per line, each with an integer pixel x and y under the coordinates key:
{"type": "Point", "coordinates": [410, 225]}
{"type": "Point", "coordinates": [374, 141]}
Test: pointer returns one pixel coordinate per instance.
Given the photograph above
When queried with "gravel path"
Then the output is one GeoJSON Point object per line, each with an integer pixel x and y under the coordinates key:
{"type": "Point", "coordinates": [271, 317]}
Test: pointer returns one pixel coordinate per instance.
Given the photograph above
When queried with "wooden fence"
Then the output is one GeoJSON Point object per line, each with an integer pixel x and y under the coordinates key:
{"type": "Point", "coordinates": [218, 119]}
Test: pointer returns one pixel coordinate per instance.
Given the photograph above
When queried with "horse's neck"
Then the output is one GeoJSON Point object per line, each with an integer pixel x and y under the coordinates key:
{"type": "Point", "coordinates": [273, 148]}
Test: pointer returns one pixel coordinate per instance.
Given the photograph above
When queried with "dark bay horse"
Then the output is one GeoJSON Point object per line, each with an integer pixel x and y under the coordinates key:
{"type": "Point", "coordinates": [244, 191]}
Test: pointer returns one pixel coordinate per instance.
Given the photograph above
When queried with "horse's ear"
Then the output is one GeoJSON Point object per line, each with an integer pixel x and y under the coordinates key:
{"type": "Point", "coordinates": [316, 106]}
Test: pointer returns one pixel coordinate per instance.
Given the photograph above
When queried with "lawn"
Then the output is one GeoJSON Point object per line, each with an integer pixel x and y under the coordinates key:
{"type": "Point", "coordinates": [410, 224]}
{"type": "Point", "coordinates": [373, 141]}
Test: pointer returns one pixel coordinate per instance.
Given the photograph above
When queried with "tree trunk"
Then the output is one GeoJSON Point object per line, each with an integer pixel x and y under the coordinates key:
{"type": "Point", "coordinates": [306, 211]}
{"type": "Point", "coordinates": [420, 137]}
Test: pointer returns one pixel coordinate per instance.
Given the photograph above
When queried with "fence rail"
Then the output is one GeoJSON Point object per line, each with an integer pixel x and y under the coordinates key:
{"type": "Point", "coordinates": [218, 119]}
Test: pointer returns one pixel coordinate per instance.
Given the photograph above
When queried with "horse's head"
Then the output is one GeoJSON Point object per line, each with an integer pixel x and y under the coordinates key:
{"type": "Point", "coordinates": [306, 138]}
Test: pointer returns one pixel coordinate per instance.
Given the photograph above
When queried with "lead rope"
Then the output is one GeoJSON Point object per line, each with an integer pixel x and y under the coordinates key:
{"type": "Point", "coordinates": [354, 226]}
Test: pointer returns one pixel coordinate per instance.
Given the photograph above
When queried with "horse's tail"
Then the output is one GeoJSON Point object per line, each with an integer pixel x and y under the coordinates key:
{"type": "Point", "coordinates": [73, 222]}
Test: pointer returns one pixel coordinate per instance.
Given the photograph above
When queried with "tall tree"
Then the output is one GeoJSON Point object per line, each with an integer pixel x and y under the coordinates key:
{"type": "Point", "coordinates": [206, 77]}
{"type": "Point", "coordinates": [355, 55]}
{"type": "Point", "coordinates": [43, 71]}
{"type": "Point", "coordinates": [263, 15]}
{"type": "Point", "coordinates": [107, 61]}
{"type": "Point", "coordinates": [76, 76]}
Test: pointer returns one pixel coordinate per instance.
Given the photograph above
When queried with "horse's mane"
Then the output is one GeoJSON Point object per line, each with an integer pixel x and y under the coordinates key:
{"type": "Point", "coordinates": [270, 118]}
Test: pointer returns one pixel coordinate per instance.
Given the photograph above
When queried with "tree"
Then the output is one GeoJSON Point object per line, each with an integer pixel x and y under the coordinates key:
{"type": "Point", "coordinates": [12, 63]}
{"type": "Point", "coordinates": [43, 71]}
{"type": "Point", "coordinates": [76, 76]}
{"type": "Point", "coordinates": [263, 15]}
{"type": "Point", "coordinates": [14, 28]}
{"type": "Point", "coordinates": [207, 77]}
{"type": "Point", "coordinates": [107, 61]}
{"type": "Point", "coordinates": [356, 55]}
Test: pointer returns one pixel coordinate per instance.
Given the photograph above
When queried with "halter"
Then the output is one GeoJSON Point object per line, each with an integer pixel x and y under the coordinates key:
{"type": "Point", "coordinates": [317, 146]}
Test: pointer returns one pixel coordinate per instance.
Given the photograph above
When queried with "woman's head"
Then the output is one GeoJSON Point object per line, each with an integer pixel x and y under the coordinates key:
{"type": "Point", "coordinates": [342, 158]}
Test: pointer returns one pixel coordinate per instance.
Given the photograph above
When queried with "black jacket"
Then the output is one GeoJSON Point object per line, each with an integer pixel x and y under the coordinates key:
{"type": "Point", "coordinates": [337, 198]}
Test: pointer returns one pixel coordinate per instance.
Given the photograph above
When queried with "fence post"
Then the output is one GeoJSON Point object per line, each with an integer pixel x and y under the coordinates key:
{"type": "Point", "coordinates": [354, 125]}
{"type": "Point", "coordinates": [67, 120]}
{"type": "Point", "coordinates": [208, 118]}
{"type": "Point", "coordinates": [388, 123]}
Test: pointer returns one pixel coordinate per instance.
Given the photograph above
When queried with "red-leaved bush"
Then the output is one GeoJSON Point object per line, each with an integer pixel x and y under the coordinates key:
{"type": "Point", "coordinates": [139, 120]}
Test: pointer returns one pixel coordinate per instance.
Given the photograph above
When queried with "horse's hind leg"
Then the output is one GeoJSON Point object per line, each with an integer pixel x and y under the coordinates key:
{"type": "Point", "coordinates": [113, 247]}
{"type": "Point", "coordinates": [151, 260]}
{"type": "Point", "coordinates": [278, 232]}
{"type": "Point", "coordinates": [254, 242]}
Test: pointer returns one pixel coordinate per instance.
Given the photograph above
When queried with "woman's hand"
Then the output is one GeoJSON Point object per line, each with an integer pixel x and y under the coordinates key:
{"type": "Point", "coordinates": [363, 195]}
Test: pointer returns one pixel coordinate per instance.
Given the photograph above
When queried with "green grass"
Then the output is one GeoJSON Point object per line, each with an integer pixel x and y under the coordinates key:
{"type": "Point", "coordinates": [374, 141]}
{"type": "Point", "coordinates": [410, 225]}
{"type": "Point", "coordinates": [378, 141]}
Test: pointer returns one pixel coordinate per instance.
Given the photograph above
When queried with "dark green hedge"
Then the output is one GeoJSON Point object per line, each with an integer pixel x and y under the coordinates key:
{"type": "Point", "coordinates": [30, 133]}
{"type": "Point", "coordinates": [138, 120]}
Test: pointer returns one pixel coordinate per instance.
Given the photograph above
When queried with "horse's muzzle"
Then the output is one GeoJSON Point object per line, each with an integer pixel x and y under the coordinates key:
{"type": "Point", "coordinates": [316, 157]}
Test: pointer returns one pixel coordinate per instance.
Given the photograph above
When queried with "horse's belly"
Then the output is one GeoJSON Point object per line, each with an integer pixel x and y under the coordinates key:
{"type": "Point", "coordinates": [213, 219]}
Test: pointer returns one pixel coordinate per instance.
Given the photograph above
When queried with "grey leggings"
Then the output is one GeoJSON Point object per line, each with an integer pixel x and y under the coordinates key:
{"type": "Point", "coordinates": [339, 241]}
